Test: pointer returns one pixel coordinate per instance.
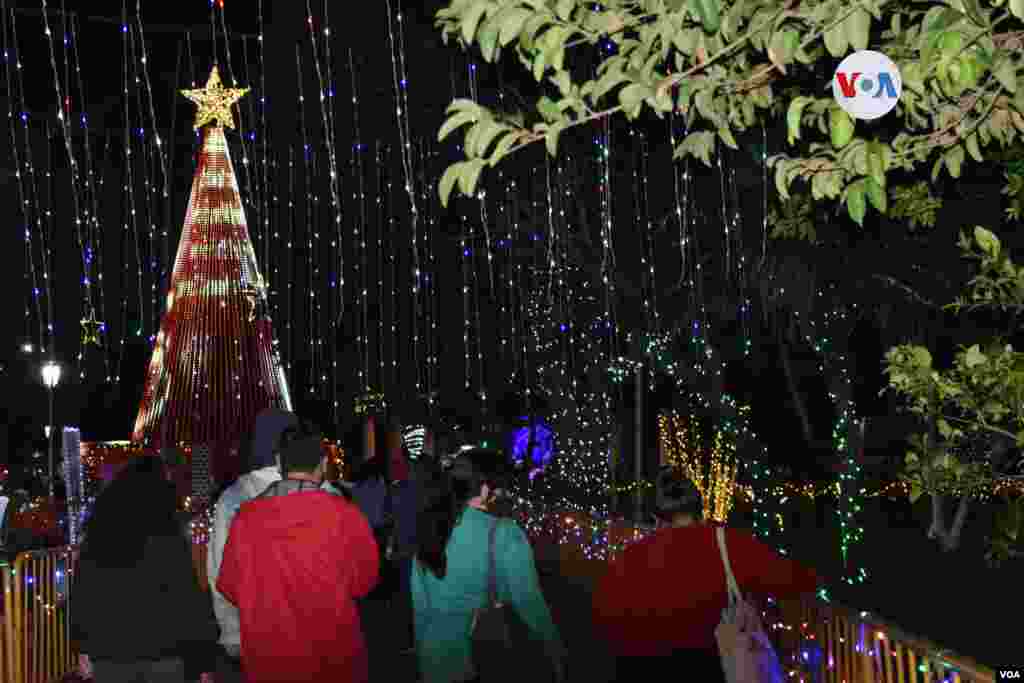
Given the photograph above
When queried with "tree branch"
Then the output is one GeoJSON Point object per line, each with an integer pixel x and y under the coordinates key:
{"type": "Point", "coordinates": [981, 424]}
{"type": "Point", "coordinates": [906, 289]}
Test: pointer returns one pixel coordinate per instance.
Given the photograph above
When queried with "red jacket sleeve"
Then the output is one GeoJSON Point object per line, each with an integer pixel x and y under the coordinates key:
{"type": "Point", "coordinates": [771, 574]}
{"type": "Point", "coordinates": [232, 564]}
{"type": "Point", "coordinates": [361, 551]}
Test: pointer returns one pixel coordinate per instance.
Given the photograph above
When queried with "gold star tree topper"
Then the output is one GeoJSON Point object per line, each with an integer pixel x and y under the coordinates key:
{"type": "Point", "coordinates": [214, 102]}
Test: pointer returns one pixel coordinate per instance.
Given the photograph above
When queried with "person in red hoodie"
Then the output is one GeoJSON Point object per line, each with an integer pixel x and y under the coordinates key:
{"type": "Point", "coordinates": [660, 601]}
{"type": "Point", "coordinates": [296, 561]}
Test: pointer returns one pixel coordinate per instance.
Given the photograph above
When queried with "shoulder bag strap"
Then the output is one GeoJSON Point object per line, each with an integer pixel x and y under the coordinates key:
{"type": "Point", "coordinates": [730, 578]}
{"type": "Point", "coordinates": [492, 573]}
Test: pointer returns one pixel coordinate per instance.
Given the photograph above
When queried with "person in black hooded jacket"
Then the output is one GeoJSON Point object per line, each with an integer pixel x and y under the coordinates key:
{"type": "Point", "coordinates": [138, 610]}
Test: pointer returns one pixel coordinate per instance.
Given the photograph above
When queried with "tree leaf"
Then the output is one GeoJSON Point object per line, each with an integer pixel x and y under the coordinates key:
{"type": "Point", "coordinates": [709, 12]}
{"type": "Point", "coordinates": [858, 29]}
{"type": "Point", "coordinates": [782, 178]}
{"type": "Point", "coordinates": [470, 175]}
{"type": "Point", "coordinates": [987, 241]}
{"type": "Point", "coordinates": [876, 158]}
{"type": "Point", "coordinates": [548, 109]}
{"type": "Point", "coordinates": [1006, 74]}
{"type": "Point", "coordinates": [836, 41]}
{"type": "Point", "coordinates": [698, 144]}
{"type": "Point", "coordinates": [915, 492]}
{"type": "Point", "coordinates": [973, 357]}
{"type": "Point", "coordinates": [551, 139]}
{"type": "Point", "coordinates": [512, 20]}
{"type": "Point", "coordinates": [685, 41]}
{"type": "Point", "coordinates": [783, 47]}
{"type": "Point", "coordinates": [1017, 8]}
{"type": "Point", "coordinates": [487, 131]}
{"type": "Point", "coordinates": [954, 159]}
{"type": "Point", "coordinates": [855, 202]}
{"type": "Point", "coordinates": [840, 127]}
{"type": "Point", "coordinates": [506, 143]}
{"type": "Point", "coordinates": [447, 183]}
{"type": "Point", "coordinates": [972, 147]}
{"type": "Point", "coordinates": [876, 194]}
{"type": "Point", "coordinates": [554, 46]}
{"type": "Point", "coordinates": [632, 98]}
{"type": "Point", "coordinates": [727, 137]}
{"type": "Point", "coordinates": [487, 37]}
{"type": "Point", "coordinates": [455, 122]}
{"type": "Point", "coordinates": [794, 115]}
{"type": "Point", "coordinates": [564, 9]}
{"type": "Point", "coordinates": [471, 19]}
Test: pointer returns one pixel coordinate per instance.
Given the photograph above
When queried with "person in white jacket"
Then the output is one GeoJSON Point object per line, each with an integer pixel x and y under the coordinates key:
{"type": "Point", "coordinates": [263, 470]}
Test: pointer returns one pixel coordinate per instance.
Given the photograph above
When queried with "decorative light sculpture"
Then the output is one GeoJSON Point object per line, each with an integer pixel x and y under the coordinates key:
{"type": "Point", "coordinates": [215, 363]}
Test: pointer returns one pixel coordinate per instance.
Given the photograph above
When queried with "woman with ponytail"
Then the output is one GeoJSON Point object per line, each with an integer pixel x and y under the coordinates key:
{"type": "Point", "coordinates": [451, 571]}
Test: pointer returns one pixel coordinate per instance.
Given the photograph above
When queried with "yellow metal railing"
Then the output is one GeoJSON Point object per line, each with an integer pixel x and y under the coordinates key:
{"type": "Point", "coordinates": [36, 644]}
{"type": "Point", "coordinates": [855, 647]}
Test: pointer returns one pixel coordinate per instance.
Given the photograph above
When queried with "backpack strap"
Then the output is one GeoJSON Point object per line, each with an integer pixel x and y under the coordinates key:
{"type": "Point", "coordinates": [730, 578]}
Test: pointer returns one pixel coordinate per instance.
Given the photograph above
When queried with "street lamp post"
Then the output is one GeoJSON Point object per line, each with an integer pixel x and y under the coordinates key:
{"type": "Point", "coordinates": [51, 378]}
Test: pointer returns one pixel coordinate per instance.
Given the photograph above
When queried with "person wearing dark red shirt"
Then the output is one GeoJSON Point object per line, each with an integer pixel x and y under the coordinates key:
{"type": "Point", "coordinates": [296, 560]}
{"type": "Point", "coordinates": [660, 601]}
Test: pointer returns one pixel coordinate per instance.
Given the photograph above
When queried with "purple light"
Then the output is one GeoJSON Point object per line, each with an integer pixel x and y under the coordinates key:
{"type": "Point", "coordinates": [466, 252]}
{"type": "Point", "coordinates": [124, 28]}
{"type": "Point", "coordinates": [404, 82]}
{"type": "Point", "coordinates": [563, 327]}
{"type": "Point", "coordinates": [24, 117]}
{"type": "Point", "coordinates": [543, 445]}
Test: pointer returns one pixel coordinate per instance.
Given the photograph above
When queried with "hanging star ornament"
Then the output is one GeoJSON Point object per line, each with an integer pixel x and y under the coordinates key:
{"type": "Point", "coordinates": [214, 102]}
{"type": "Point", "coordinates": [91, 329]}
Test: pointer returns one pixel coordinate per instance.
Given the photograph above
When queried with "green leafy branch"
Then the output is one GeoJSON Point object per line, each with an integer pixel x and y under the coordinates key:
{"type": "Point", "coordinates": [718, 61]}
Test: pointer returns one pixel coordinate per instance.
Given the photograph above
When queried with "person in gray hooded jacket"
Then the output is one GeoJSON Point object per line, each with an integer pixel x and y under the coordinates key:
{"type": "Point", "coordinates": [262, 470]}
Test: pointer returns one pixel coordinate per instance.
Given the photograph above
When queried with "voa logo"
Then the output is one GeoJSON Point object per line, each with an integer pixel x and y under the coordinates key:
{"type": "Point", "coordinates": [867, 85]}
{"type": "Point", "coordinates": [1009, 675]}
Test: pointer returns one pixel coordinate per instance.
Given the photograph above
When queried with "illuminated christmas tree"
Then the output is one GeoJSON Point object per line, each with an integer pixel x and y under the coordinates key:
{"type": "Point", "coordinates": [215, 364]}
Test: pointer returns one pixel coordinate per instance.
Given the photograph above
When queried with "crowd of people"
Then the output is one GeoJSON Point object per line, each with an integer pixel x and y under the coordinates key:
{"type": "Point", "coordinates": [293, 559]}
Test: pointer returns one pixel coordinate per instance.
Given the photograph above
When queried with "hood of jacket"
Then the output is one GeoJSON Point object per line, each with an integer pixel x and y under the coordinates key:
{"type": "Point", "coordinates": [256, 482]}
{"type": "Point", "coordinates": [266, 435]}
{"type": "Point", "coordinates": [296, 521]}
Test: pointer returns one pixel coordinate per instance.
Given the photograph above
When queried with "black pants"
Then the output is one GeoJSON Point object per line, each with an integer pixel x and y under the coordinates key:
{"type": "Point", "coordinates": [139, 671]}
{"type": "Point", "coordinates": [686, 666]}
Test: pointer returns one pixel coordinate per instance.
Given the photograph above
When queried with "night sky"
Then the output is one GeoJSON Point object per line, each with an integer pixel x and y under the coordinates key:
{"type": "Point", "coordinates": [179, 53]}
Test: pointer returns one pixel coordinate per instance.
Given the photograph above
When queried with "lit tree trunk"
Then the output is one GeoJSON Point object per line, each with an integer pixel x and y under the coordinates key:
{"type": "Point", "coordinates": [948, 538]}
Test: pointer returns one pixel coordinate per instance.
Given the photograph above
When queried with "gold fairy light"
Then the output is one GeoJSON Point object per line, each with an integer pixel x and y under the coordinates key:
{"type": "Point", "coordinates": [214, 102]}
{"type": "Point", "coordinates": [714, 473]}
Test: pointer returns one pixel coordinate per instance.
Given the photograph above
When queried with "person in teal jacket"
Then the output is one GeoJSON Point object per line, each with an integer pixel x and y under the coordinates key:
{"type": "Point", "coordinates": [450, 572]}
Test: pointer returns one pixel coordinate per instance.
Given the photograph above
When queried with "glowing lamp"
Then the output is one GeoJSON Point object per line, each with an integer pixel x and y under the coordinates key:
{"type": "Point", "coordinates": [51, 374]}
